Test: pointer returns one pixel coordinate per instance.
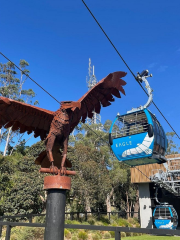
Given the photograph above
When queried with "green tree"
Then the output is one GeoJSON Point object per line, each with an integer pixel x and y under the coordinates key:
{"type": "Point", "coordinates": [99, 174]}
{"type": "Point", "coordinates": [11, 86]}
{"type": "Point", "coordinates": [21, 184]}
{"type": "Point", "coordinates": [173, 147]}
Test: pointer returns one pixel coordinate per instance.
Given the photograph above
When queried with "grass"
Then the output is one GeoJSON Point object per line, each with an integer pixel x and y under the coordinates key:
{"type": "Point", "coordinates": [149, 237]}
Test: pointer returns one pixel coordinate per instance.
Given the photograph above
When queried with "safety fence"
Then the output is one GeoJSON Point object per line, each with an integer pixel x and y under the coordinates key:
{"type": "Point", "coordinates": [116, 230]}
{"type": "Point", "coordinates": [83, 216]}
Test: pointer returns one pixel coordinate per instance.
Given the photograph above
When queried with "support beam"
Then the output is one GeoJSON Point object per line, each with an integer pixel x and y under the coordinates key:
{"type": "Point", "coordinates": [55, 214]}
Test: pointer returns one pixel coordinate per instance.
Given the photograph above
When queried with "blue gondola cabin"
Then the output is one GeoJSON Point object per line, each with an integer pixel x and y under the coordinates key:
{"type": "Point", "coordinates": [137, 138]}
{"type": "Point", "coordinates": [165, 217]}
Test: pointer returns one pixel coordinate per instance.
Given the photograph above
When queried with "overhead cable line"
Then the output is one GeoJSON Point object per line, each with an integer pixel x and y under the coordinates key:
{"type": "Point", "coordinates": [30, 78]}
{"type": "Point", "coordinates": [55, 99]}
{"type": "Point", "coordinates": [127, 66]}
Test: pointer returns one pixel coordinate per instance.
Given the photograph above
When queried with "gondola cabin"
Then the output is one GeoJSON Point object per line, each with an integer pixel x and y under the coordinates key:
{"type": "Point", "coordinates": [137, 138]}
{"type": "Point", "coordinates": [165, 216]}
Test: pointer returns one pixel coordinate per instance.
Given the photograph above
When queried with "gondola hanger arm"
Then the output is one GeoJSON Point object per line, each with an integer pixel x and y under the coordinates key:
{"type": "Point", "coordinates": [142, 77]}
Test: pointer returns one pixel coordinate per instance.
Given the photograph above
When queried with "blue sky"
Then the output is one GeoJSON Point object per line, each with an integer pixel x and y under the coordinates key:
{"type": "Point", "coordinates": [58, 37]}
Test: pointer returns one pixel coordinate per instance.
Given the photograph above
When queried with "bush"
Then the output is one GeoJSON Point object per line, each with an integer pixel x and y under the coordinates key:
{"type": "Point", "coordinates": [74, 238]}
{"type": "Point", "coordinates": [96, 236]}
{"type": "Point", "coordinates": [107, 235]}
{"type": "Point", "coordinates": [129, 234]}
{"type": "Point", "coordinates": [91, 221]}
{"type": "Point", "coordinates": [123, 222]}
{"type": "Point", "coordinates": [67, 233]}
{"type": "Point", "coordinates": [82, 235]}
{"type": "Point", "coordinates": [123, 234]}
{"type": "Point", "coordinates": [112, 234]}
{"type": "Point", "coordinates": [40, 219]}
{"type": "Point", "coordinates": [136, 234]}
{"type": "Point", "coordinates": [105, 220]}
{"type": "Point", "coordinates": [26, 233]}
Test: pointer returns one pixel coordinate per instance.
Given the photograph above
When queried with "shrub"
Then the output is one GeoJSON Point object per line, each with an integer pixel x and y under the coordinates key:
{"type": "Point", "coordinates": [131, 220]}
{"type": "Point", "coordinates": [67, 233]}
{"type": "Point", "coordinates": [123, 222]}
{"type": "Point", "coordinates": [129, 234]}
{"type": "Point", "coordinates": [74, 238]}
{"type": "Point", "coordinates": [112, 234]}
{"type": "Point", "coordinates": [136, 234]}
{"type": "Point", "coordinates": [26, 233]}
{"type": "Point", "coordinates": [82, 235]}
{"type": "Point", "coordinates": [137, 225]}
{"type": "Point", "coordinates": [40, 219]}
{"type": "Point", "coordinates": [96, 236]}
{"type": "Point", "coordinates": [107, 235]}
{"type": "Point", "coordinates": [123, 234]}
{"type": "Point", "coordinates": [91, 221]}
{"type": "Point", "coordinates": [105, 220]}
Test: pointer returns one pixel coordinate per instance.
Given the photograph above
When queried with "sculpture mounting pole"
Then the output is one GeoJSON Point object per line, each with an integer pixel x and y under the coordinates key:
{"type": "Point", "coordinates": [56, 187]}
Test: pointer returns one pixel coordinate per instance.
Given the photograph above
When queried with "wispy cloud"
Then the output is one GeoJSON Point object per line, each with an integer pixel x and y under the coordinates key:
{"type": "Point", "coordinates": [162, 68]}
{"type": "Point", "coordinates": [151, 65]}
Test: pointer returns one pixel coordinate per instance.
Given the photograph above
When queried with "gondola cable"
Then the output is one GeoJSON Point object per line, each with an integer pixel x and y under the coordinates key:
{"type": "Point", "coordinates": [27, 75]}
{"type": "Point", "coordinates": [127, 66]}
{"type": "Point", "coordinates": [59, 102]}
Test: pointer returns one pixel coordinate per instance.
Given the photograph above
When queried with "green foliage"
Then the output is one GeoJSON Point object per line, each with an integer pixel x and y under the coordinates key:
{"type": "Point", "coordinates": [11, 86]}
{"type": "Point", "coordinates": [123, 234]}
{"type": "Point", "coordinates": [82, 235]}
{"type": "Point", "coordinates": [123, 222]}
{"type": "Point", "coordinates": [21, 185]}
{"type": "Point", "coordinates": [96, 236]}
{"type": "Point", "coordinates": [35, 149]}
{"type": "Point", "coordinates": [27, 233]}
{"type": "Point", "coordinates": [91, 221]}
{"type": "Point", "coordinates": [173, 147]}
{"type": "Point", "coordinates": [67, 233]}
{"type": "Point", "coordinates": [112, 234]}
{"type": "Point", "coordinates": [107, 235]}
{"type": "Point", "coordinates": [99, 174]}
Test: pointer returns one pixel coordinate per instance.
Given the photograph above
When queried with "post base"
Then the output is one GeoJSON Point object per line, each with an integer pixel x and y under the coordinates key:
{"type": "Point", "coordinates": [57, 182]}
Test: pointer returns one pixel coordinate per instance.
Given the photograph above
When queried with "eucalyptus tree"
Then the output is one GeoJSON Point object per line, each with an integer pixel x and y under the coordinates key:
{"type": "Point", "coordinates": [11, 86]}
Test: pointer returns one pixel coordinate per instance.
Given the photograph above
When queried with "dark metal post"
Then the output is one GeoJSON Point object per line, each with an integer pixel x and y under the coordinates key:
{"type": "Point", "coordinates": [30, 219]}
{"type": "Point", "coordinates": [1, 219]}
{"type": "Point", "coordinates": [55, 214]}
{"type": "Point", "coordinates": [8, 232]}
{"type": "Point", "coordinates": [117, 235]}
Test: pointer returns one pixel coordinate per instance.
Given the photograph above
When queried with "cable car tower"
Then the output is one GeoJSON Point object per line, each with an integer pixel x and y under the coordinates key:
{"type": "Point", "coordinates": [91, 82]}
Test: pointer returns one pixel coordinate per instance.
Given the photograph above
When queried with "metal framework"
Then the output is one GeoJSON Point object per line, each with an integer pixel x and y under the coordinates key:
{"type": "Point", "coordinates": [91, 82]}
{"type": "Point", "coordinates": [169, 179]}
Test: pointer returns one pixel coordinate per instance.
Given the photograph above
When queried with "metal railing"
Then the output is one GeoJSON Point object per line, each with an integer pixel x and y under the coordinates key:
{"type": "Point", "coordinates": [116, 230]}
{"type": "Point", "coordinates": [76, 215]}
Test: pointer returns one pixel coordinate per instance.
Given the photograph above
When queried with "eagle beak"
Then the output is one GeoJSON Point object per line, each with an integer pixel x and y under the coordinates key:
{"type": "Point", "coordinates": [76, 105]}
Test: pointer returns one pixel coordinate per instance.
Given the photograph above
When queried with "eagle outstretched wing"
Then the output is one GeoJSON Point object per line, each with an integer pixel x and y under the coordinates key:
{"type": "Point", "coordinates": [100, 95]}
{"type": "Point", "coordinates": [25, 117]}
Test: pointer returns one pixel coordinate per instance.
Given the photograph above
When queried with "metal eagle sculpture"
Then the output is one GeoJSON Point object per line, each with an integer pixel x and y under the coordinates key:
{"type": "Point", "coordinates": [55, 127]}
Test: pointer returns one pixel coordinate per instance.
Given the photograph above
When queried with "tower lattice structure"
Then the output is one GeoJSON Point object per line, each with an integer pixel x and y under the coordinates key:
{"type": "Point", "coordinates": [91, 82]}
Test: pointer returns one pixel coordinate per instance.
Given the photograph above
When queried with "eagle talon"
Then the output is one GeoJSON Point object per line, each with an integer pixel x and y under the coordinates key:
{"type": "Point", "coordinates": [63, 171]}
{"type": "Point", "coordinates": [53, 169]}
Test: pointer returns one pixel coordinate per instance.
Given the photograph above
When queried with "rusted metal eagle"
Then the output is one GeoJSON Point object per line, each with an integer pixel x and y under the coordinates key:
{"type": "Point", "coordinates": [55, 127]}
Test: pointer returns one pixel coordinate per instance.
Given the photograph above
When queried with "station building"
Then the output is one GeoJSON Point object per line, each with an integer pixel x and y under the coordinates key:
{"type": "Point", "coordinates": [147, 201]}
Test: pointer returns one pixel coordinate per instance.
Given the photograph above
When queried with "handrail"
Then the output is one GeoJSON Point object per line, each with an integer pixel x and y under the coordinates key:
{"type": "Point", "coordinates": [117, 230]}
